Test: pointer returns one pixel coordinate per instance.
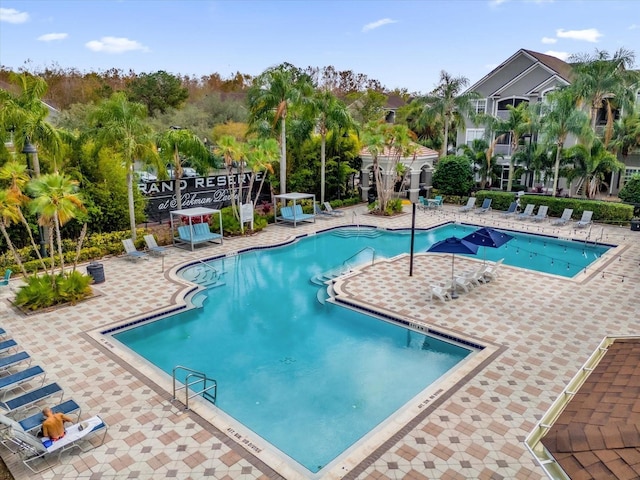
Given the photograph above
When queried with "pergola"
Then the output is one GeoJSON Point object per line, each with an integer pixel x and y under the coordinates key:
{"type": "Point", "coordinates": [191, 236]}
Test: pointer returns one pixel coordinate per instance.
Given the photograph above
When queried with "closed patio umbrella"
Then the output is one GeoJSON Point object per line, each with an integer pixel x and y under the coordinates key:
{"type": "Point", "coordinates": [488, 237]}
{"type": "Point", "coordinates": [453, 245]}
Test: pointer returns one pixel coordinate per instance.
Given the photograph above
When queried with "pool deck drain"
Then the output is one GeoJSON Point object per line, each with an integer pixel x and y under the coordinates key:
{"type": "Point", "coordinates": [542, 327]}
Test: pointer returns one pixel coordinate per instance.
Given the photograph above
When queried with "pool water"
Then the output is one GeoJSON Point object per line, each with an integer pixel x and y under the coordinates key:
{"type": "Point", "coordinates": [310, 377]}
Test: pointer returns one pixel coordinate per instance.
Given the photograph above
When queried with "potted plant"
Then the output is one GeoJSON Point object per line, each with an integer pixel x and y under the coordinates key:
{"type": "Point", "coordinates": [630, 193]}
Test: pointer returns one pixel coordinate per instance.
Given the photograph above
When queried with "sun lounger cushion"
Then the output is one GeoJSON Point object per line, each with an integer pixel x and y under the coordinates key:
{"type": "Point", "coordinates": [295, 214]}
{"type": "Point", "coordinates": [201, 233]}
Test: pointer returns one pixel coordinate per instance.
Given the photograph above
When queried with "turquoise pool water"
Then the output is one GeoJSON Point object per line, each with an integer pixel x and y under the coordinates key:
{"type": "Point", "coordinates": [308, 377]}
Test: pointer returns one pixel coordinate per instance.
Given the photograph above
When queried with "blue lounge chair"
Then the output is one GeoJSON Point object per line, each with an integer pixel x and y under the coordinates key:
{"type": "Point", "coordinates": [14, 359]}
{"type": "Point", "coordinates": [295, 215]}
{"type": "Point", "coordinates": [565, 218]}
{"type": "Point", "coordinates": [30, 398]}
{"type": "Point", "coordinates": [34, 421]}
{"type": "Point", "coordinates": [14, 380]}
{"type": "Point", "coordinates": [528, 212]}
{"type": "Point", "coordinates": [585, 220]}
{"type": "Point", "coordinates": [486, 206]}
{"type": "Point", "coordinates": [7, 344]}
{"type": "Point", "coordinates": [541, 215]}
{"type": "Point", "coordinates": [130, 251]}
{"type": "Point", "coordinates": [318, 211]}
{"type": "Point", "coordinates": [5, 281]}
{"type": "Point", "coordinates": [198, 233]}
{"type": "Point", "coordinates": [511, 211]}
{"type": "Point", "coordinates": [154, 248]}
{"type": "Point", "coordinates": [471, 203]}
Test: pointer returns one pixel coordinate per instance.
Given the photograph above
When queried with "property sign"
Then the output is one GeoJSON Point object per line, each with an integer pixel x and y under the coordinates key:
{"type": "Point", "coordinates": [210, 192]}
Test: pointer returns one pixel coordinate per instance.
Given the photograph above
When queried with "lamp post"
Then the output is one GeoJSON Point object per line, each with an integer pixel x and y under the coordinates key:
{"type": "Point", "coordinates": [31, 152]}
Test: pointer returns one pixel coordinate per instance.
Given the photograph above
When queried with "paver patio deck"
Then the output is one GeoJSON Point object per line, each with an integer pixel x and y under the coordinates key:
{"type": "Point", "coordinates": [539, 329]}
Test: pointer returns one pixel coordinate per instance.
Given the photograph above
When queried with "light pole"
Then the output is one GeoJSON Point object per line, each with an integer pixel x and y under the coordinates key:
{"type": "Point", "coordinates": [31, 152]}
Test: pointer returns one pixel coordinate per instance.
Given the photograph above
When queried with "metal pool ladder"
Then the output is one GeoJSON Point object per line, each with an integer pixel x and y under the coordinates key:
{"type": "Point", "coordinates": [195, 378]}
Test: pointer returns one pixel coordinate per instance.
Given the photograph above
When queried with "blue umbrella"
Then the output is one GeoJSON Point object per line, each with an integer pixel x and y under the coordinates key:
{"type": "Point", "coordinates": [453, 245]}
{"type": "Point", "coordinates": [488, 237]}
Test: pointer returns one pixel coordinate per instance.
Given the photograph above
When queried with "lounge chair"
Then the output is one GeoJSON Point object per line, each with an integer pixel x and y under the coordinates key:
{"type": "Point", "coordinates": [438, 201]}
{"type": "Point", "coordinates": [34, 421]}
{"type": "Point", "coordinates": [491, 271]}
{"type": "Point", "coordinates": [565, 218]}
{"type": "Point", "coordinates": [296, 215]}
{"type": "Point", "coordinates": [468, 280]}
{"type": "Point", "coordinates": [511, 211]}
{"type": "Point", "coordinates": [329, 208]}
{"type": "Point", "coordinates": [471, 203]}
{"type": "Point", "coordinates": [12, 360]}
{"type": "Point", "coordinates": [36, 452]}
{"type": "Point", "coordinates": [528, 212]}
{"type": "Point", "coordinates": [585, 220]}
{"type": "Point", "coordinates": [7, 344]}
{"type": "Point", "coordinates": [541, 215]}
{"type": "Point", "coordinates": [153, 247]}
{"type": "Point", "coordinates": [486, 206]}
{"type": "Point", "coordinates": [29, 398]}
{"type": "Point", "coordinates": [317, 209]}
{"type": "Point", "coordinates": [198, 233]}
{"type": "Point", "coordinates": [5, 281]}
{"type": "Point", "coordinates": [14, 380]}
{"type": "Point", "coordinates": [440, 292]}
{"type": "Point", "coordinates": [130, 251]}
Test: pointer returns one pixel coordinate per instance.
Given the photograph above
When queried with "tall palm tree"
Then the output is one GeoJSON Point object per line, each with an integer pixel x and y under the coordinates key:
{"type": "Point", "coordinates": [331, 114]}
{"type": "Point", "coordinates": [55, 201]}
{"type": "Point", "coordinates": [562, 118]}
{"type": "Point", "coordinates": [8, 215]}
{"type": "Point", "coordinates": [593, 164]}
{"type": "Point", "coordinates": [447, 103]}
{"type": "Point", "coordinates": [603, 80]}
{"type": "Point", "coordinates": [626, 132]}
{"type": "Point", "coordinates": [270, 97]}
{"type": "Point", "coordinates": [486, 162]}
{"type": "Point", "coordinates": [232, 152]}
{"type": "Point", "coordinates": [121, 125]}
{"type": "Point", "coordinates": [260, 154]}
{"type": "Point", "coordinates": [176, 143]}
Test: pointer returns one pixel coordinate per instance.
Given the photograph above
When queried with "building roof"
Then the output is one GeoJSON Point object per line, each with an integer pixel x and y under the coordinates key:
{"type": "Point", "coordinates": [554, 63]}
{"type": "Point", "coordinates": [597, 435]}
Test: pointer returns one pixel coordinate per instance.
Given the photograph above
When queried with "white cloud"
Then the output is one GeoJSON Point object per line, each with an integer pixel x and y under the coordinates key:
{"type": "Point", "coordinates": [549, 40]}
{"type": "Point", "coordinates": [496, 3]}
{"type": "Point", "coordinates": [587, 35]}
{"type": "Point", "coordinates": [378, 24]}
{"type": "Point", "coordinates": [50, 37]}
{"type": "Point", "coordinates": [634, 26]}
{"type": "Point", "coordinates": [115, 45]}
{"type": "Point", "coordinates": [11, 15]}
{"type": "Point", "coordinates": [560, 55]}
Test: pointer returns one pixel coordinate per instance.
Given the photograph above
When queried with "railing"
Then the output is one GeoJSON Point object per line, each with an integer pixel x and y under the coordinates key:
{"type": "Point", "coordinates": [346, 263]}
{"type": "Point", "coordinates": [198, 378]}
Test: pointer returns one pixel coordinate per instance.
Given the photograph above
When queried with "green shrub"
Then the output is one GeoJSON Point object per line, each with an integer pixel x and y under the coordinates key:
{"type": "Point", "coordinates": [499, 200]}
{"type": "Point", "coordinates": [40, 292]}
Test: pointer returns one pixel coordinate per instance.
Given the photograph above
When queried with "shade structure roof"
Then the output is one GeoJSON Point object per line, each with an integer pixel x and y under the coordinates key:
{"type": "Point", "coordinates": [194, 212]}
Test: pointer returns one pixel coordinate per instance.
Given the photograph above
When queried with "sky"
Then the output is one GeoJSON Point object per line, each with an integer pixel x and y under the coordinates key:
{"type": "Point", "coordinates": [403, 43]}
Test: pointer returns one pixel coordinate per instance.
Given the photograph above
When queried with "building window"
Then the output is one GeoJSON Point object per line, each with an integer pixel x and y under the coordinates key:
{"type": "Point", "coordinates": [630, 172]}
{"type": "Point", "coordinates": [480, 106]}
{"type": "Point", "coordinates": [474, 134]}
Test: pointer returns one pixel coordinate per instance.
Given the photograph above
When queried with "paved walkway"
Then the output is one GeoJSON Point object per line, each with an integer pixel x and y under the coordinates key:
{"type": "Point", "coordinates": [537, 329]}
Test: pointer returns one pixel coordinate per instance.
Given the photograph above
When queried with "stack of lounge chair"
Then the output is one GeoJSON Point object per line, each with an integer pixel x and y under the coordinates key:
{"type": "Point", "coordinates": [465, 281]}
{"type": "Point", "coordinates": [22, 389]}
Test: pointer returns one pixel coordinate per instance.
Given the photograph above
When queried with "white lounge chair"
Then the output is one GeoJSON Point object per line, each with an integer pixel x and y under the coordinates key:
{"type": "Point", "coordinates": [542, 213]}
{"type": "Point", "coordinates": [153, 247]}
{"type": "Point", "coordinates": [130, 251]}
{"type": "Point", "coordinates": [528, 212]}
{"type": "Point", "coordinates": [440, 292]}
{"type": "Point", "coordinates": [565, 218]}
{"type": "Point", "coordinates": [471, 203]}
{"type": "Point", "coordinates": [585, 220]}
{"type": "Point", "coordinates": [491, 272]}
{"type": "Point", "coordinates": [329, 208]}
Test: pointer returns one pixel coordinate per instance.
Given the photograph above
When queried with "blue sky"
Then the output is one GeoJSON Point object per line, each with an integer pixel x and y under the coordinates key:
{"type": "Point", "coordinates": [403, 43]}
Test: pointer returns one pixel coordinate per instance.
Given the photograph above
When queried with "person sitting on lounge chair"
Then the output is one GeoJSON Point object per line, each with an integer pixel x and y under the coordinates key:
{"type": "Point", "coordinates": [53, 425]}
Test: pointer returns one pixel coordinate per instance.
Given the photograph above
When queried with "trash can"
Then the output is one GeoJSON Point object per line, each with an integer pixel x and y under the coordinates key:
{"type": "Point", "coordinates": [96, 271]}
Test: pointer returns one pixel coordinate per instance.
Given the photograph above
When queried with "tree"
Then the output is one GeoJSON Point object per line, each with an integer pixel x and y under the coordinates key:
{"type": "Point", "coordinates": [232, 152]}
{"type": "Point", "coordinates": [593, 163]}
{"type": "Point", "coordinates": [55, 201]}
{"type": "Point", "coordinates": [626, 133]}
{"type": "Point", "coordinates": [481, 156]}
{"type": "Point", "coordinates": [630, 192]}
{"type": "Point", "coordinates": [601, 80]}
{"type": "Point", "coordinates": [8, 215]}
{"type": "Point", "coordinates": [158, 91]}
{"type": "Point", "coordinates": [120, 125]}
{"type": "Point", "coordinates": [260, 154]}
{"type": "Point", "coordinates": [447, 103]}
{"type": "Point", "coordinates": [453, 176]}
{"type": "Point", "coordinates": [175, 144]}
{"type": "Point", "coordinates": [561, 118]}
{"type": "Point", "coordinates": [270, 97]}
{"type": "Point", "coordinates": [331, 115]}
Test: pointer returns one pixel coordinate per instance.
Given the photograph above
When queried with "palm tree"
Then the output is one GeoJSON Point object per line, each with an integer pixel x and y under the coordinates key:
{"type": "Point", "coordinates": [481, 155]}
{"type": "Point", "coordinates": [601, 80]}
{"type": "Point", "coordinates": [562, 118]}
{"type": "Point", "coordinates": [120, 125]}
{"type": "Point", "coordinates": [626, 133]}
{"type": "Point", "coordinates": [176, 142]}
{"type": "Point", "coordinates": [447, 104]}
{"type": "Point", "coordinates": [593, 164]}
{"type": "Point", "coordinates": [259, 155]}
{"type": "Point", "coordinates": [55, 201]}
{"type": "Point", "coordinates": [331, 115]}
{"type": "Point", "coordinates": [232, 152]}
{"type": "Point", "coordinates": [8, 215]}
{"type": "Point", "coordinates": [270, 97]}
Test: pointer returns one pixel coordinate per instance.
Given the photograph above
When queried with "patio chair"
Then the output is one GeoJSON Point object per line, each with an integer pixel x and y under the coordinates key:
{"type": "Point", "coordinates": [528, 212]}
{"type": "Point", "coordinates": [153, 247]}
{"type": "Point", "coordinates": [541, 215]}
{"type": "Point", "coordinates": [329, 208]}
{"type": "Point", "coordinates": [471, 203]}
{"type": "Point", "coordinates": [36, 452]}
{"type": "Point", "coordinates": [512, 210]}
{"type": "Point", "coordinates": [565, 218]}
{"type": "Point", "coordinates": [440, 292]}
{"type": "Point", "coordinates": [5, 281]}
{"type": "Point", "coordinates": [34, 422]}
{"type": "Point", "coordinates": [130, 251]}
{"type": "Point", "coordinates": [30, 398]}
{"type": "Point", "coordinates": [7, 344]}
{"type": "Point", "coordinates": [317, 209]}
{"type": "Point", "coordinates": [486, 206]}
{"type": "Point", "coordinates": [491, 271]}
{"type": "Point", "coordinates": [12, 360]}
{"type": "Point", "coordinates": [585, 220]}
{"type": "Point", "coordinates": [10, 382]}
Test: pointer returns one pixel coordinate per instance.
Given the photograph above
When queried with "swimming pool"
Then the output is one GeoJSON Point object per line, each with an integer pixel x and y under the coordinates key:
{"type": "Point", "coordinates": [312, 378]}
